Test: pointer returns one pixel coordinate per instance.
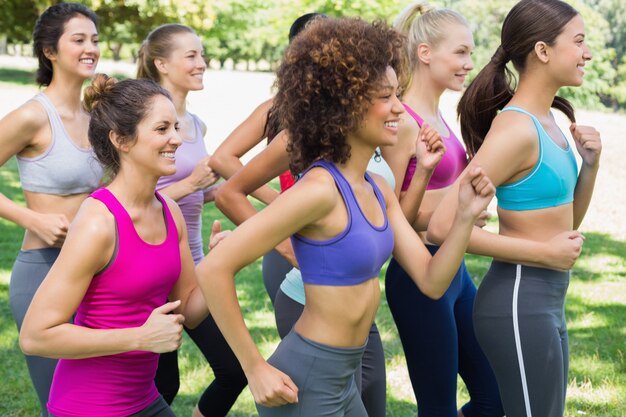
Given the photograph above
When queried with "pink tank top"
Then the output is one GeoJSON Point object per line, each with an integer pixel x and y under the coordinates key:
{"type": "Point", "coordinates": [451, 165]}
{"type": "Point", "coordinates": [187, 156]}
{"type": "Point", "coordinates": [137, 280]}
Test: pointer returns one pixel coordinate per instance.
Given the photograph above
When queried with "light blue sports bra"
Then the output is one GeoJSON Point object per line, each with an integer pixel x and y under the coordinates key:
{"type": "Point", "coordinates": [550, 183]}
{"type": "Point", "coordinates": [64, 168]}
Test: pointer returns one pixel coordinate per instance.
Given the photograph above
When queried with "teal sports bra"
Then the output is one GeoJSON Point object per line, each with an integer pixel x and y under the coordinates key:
{"type": "Point", "coordinates": [550, 183]}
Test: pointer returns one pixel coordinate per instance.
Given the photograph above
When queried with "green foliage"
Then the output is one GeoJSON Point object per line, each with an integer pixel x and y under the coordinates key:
{"type": "Point", "coordinates": [253, 31]}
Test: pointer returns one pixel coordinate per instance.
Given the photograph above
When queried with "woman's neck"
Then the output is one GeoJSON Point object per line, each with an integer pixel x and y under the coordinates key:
{"type": "Point", "coordinates": [534, 94]}
{"type": "Point", "coordinates": [422, 95]}
{"type": "Point", "coordinates": [179, 97]}
{"type": "Point", "coordinates": [133, 188]}
{"type": "Point", "coordinates": [66, 93]}
{"type": "Point", "coordinates": [360, 155]}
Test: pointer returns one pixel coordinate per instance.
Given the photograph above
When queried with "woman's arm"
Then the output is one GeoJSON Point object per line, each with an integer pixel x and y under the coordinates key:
{"type": "Point", "coordinates": [200, 178]}
{"type": "Point", "coordinates": [509, 149]}
{"type": "Point", "coordinates": [309, 200]}
{"type": "Point", "coordinates": [428, 149]}
{"type": "Point", "coordinates": [589, 146]}
{"type": "Point", "coordinates": [20, 131]}
{"type": "Point", "coordinates": [232, 198]}
{"type": "Point", "coordinates": [247, 135]}
{"type": "Point", "coordinates": [193, 307]}
{"type": "Point", "coordinates": [46, 330]}
{"type": "Point", "coordinates": [433, 274]}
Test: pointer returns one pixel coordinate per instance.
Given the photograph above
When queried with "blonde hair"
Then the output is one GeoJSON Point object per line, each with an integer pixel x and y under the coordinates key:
{"type": "Point", "coordinates": [422, 23]}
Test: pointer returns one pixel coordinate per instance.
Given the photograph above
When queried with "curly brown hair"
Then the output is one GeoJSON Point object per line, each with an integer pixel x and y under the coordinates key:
{"type": "Point", "coordinates": [327, 81]}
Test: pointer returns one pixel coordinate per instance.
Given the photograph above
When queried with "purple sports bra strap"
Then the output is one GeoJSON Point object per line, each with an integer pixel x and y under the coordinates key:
{"type": "Point", "coordinates": [197, 127]}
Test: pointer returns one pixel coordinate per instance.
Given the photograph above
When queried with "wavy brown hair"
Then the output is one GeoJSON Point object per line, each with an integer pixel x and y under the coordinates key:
{"type": "Point", "coordinates": [327, 81]}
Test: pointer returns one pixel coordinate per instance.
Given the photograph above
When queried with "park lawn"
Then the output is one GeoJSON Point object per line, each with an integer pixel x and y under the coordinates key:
{"type": "Point", "coordinates": [596, 311]}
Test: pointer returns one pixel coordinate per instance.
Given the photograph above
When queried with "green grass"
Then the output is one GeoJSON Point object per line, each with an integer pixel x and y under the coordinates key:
{"type": "Point", "coordinates": [596, 311]}
{"type": "Point", "coordinates": [17, 76]}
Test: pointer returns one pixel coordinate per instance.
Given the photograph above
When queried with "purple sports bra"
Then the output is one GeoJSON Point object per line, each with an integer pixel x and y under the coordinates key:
{"type": "Point", "coordinates": [451, 165]}
{"type": "Point", "coordinates": [355, 255]}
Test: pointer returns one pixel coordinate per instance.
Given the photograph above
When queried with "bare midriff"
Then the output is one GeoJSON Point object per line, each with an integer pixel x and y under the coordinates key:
{"type": "Point", "coordinates": [537, 225]}
{"type": "Point", "coordinates": [50, 204]}
{"type": "Point", "coordinates": [339, 316]}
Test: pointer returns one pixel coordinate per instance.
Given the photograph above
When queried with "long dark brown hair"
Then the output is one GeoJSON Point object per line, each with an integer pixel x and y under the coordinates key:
{"type": "Point", "coordinates": [528, 22]}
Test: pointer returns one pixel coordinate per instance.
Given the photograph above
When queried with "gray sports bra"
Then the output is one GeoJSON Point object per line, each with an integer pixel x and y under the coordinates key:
{"type": "Point", "coordinates": [63, 168]}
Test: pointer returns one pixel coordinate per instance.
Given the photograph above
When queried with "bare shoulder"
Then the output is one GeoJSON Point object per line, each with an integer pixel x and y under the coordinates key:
{"type": "Point", "coordinates": [265, 106]}
{"type": "Point", "coordinates": [177, 214]}
{"type": "Point", "coordinates": [27, 119]}
{"type": "Point", "coordinates": [203, 128]}
{"type": "Point", "coordinates": [318, 188]}
{"type": "Point", "coordinates": [514, 128]}
{"type": "Point", "coordinates": [93, 223]}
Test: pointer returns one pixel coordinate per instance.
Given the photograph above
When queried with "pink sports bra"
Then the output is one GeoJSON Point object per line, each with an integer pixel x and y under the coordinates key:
{"type": "Point", "coordinates": [451, 165]}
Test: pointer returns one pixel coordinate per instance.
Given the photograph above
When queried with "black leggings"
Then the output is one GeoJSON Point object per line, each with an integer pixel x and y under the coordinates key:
{"type": "Point", "coordinates": [229, 380]}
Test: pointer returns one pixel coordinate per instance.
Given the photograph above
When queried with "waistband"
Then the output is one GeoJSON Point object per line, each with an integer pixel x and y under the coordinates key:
{"type": "Point", "coordinates": [321, 350]}
{"type": "Point", "coordinates": [506, 270]}
{"type": "Point", "coordinates": [38, 256]}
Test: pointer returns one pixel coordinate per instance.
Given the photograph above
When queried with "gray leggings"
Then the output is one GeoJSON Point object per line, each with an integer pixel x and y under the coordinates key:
{"type": "Point", "coordinates": [519, 321]}
{"type": "Point", "coordinates": [370, 377]}
{"type": "Point", "coordinates": [324, 376]}
{"type": "Point", "coordinates": [29, 270]}
{"type": "Point", "coordinates": [275, 267]}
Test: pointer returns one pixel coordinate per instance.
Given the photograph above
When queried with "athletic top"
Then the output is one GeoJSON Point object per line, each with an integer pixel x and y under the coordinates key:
{"type": "Point", "coordinates": [353, 256]}
{"type": "Point", "coordinates": [287, 180]}
{"type": "Point", "coordinates": [187, 156]}
{"type": "Point", "coordinates": [64, 168]}
{"type": "Point", "coordinates": [377, 165]}
{"type": "Point", "coordinates": [292, 286]}
{"type": "Point", "coordinates": [449, 168]}
{"type": "Point", "coordinates": [137, 280]}
{"type": "Point", "coordinates": [550, 183]}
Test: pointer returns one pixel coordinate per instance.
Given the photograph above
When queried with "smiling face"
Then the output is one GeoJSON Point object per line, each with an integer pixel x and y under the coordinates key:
{"type": "Point", "coordinates": [77, 51]}
{"type": "Point", "coordinates": [185, 66]}
{"type": "Point", "coordinates": [157, 139]}
{"type": "Point", "coordinates": [380, 124]}
{"type": "Point", "coordinates": [450, 60]}
{"type": "Point", "coordinates": [569, 54]}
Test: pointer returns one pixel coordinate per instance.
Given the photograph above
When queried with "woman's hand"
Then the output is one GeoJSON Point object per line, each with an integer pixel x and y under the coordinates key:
{"type": "Point", "coordinates": [429, 148]}
{"type": "Point", "coordinates": [202, 175]}
{"type": "Point", "coordinates": [588, 143]}
{"type": "Point", "coordinates": [482, 219]}
{"type": "Point", "coordinates": [475, 192]}
{"type": "Point", "coordinates": [271, 387]}
{"type": "Point", "coordinates": [162, 331]}
{"type": "Point", "coordinates": [217, 235]}
{"type": "Point", "coordinates": [50, 227]}
{"type": "Point", "coordinates": [563, 250]}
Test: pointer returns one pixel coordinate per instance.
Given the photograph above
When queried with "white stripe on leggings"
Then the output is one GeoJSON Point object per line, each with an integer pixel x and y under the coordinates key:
{"type": "Point", "coordinates": [518, 343]}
